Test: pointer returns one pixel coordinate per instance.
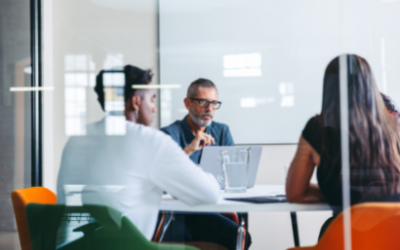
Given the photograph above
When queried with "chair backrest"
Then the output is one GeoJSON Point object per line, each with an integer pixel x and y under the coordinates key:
{"type": "Point", "coordinates": [107, 217]}
{"type": "Point", "coordinates": [20, 198]}
{"type": "Point", "coordinates": [374, 226]}
{"type": "Point", "coordinates": [44, 220]}
{"type": "Point", "coordinates": [43, 223]}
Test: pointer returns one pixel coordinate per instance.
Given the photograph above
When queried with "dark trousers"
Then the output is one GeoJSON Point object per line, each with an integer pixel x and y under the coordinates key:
{"type": "Point", "coordinates": [204, 227]}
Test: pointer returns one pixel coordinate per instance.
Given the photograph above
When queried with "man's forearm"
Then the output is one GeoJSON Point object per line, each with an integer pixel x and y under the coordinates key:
{"type": "Point", "coordinates": [188, 151]}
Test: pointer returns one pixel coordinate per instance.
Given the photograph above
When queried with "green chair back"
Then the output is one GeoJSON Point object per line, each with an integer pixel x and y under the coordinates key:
{"type": "Point", "coordinates": [111, 231]}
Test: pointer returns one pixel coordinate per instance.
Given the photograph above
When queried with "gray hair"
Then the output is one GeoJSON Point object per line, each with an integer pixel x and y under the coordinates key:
{"type": "Point", "coordinates": [201, 82]}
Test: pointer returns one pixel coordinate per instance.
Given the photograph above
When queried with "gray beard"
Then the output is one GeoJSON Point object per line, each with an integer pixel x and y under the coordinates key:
{"type": "Point", "coordinates": [197, 119]}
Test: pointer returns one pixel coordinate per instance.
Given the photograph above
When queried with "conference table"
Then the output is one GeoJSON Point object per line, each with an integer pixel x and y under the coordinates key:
{"type": "Point", "coordinates": [168, 203]}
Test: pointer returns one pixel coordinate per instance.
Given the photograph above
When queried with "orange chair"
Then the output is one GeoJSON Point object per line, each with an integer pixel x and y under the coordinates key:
{"type": "Point", "coordinates": [374, 226]}
{"type": "Point", "coordinates": [158, 233]}
{"type": "Point", "coordinates": [20, 199]}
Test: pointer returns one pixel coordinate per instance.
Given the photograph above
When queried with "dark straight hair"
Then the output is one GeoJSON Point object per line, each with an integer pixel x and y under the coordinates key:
{"type": "Point", "coordinates": [374, 135]}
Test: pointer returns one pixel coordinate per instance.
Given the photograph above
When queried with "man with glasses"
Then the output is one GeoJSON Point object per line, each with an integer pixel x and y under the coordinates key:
{"type": "Point", "coordinates": [195, 131]}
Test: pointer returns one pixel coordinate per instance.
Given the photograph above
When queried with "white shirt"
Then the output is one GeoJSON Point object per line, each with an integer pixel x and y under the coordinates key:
{"type": "Point", "coordinates": [129, 172]}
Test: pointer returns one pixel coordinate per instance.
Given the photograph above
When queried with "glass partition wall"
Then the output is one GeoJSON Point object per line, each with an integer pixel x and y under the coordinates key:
{"type": "Point", "coordinates": [314, 84]}
{"type": "Point", "coordinates": [15, 132]}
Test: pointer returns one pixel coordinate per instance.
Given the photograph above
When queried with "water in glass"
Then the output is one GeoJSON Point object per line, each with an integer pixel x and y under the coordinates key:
{"type": "Point", "coordinates": [234, 166]}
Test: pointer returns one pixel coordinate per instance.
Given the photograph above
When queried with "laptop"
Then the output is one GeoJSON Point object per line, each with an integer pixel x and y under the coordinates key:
{"type": "Point", "coordinates": [210, 160]}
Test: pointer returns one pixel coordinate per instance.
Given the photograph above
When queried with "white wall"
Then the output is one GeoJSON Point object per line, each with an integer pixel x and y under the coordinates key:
{"type": "Point", "coordinates": [269, 57]}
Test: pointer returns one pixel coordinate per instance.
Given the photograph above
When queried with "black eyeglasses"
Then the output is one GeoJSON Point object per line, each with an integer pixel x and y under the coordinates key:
{"type": "Point", "coordinates": [203, 103]}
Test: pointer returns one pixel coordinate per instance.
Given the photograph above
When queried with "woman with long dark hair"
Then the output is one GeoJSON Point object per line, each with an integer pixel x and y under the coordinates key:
{"type": "Point", "coordinates": [374, 143]}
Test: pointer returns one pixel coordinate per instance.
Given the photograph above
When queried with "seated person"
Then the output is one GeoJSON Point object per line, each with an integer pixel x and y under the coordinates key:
{"type": "Point", "coordinates": [129, 172]}
{"type": "Point", "coordinates": [195, 131]}
{"type": "Point", "coordinates": [374, 173]}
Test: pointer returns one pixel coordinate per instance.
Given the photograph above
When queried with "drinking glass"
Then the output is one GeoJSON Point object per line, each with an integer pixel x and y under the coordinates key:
{"type": "Point", "coordinates": [234, 167]}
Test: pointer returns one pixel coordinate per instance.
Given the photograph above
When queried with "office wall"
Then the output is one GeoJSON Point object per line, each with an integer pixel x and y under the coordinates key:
{"type": "Point", "coordinates": [269, 57]}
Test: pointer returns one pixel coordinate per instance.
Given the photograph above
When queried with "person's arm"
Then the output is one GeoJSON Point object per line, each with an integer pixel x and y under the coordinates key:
{"type": "Point", "coordinates": [298, 186]}
{"type": "Point", "coordinates": [173, 171]}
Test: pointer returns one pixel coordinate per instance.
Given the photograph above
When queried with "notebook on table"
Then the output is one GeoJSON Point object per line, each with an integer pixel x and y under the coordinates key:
{"type": "Point", "coordinates": [261, 199]}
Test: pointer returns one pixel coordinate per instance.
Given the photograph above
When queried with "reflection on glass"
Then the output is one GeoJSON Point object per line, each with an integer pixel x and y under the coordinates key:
{"type": "Point", "coordinates": [242, 65]}
{"type": "Point", "coordinates": [384, 84]}
{"type": "Point", "coordinates": [286, 89]}
{"type": "Point", "coordinates": [113, 60]}
{"type": "Point", "coordinates": [252, 102]}
{"type": "Point", "coordinates": [79, 74]}
{"type": "Point", "coordinates": [166, 107]}
{"type": "Point", "coordinates": [28, 70]}
{"type": "Point", "coordinates": [76, 79]}
{"type": "Point", "coordinates": [79, 63]}
{"type": "Point", "coordinates": [114, 106]}
{"type": "Point", "coordinates": [75, 110]}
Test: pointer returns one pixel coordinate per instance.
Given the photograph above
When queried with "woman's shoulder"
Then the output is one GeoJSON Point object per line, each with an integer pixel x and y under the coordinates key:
{"type": "Point", "coordinates": [313, 123]}
{"type": "Point", "coordinates": [312, 132]}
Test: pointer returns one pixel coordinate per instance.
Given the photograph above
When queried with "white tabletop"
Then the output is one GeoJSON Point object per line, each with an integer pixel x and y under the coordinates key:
{"type": "Point", "coordinates": [170, 204]}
